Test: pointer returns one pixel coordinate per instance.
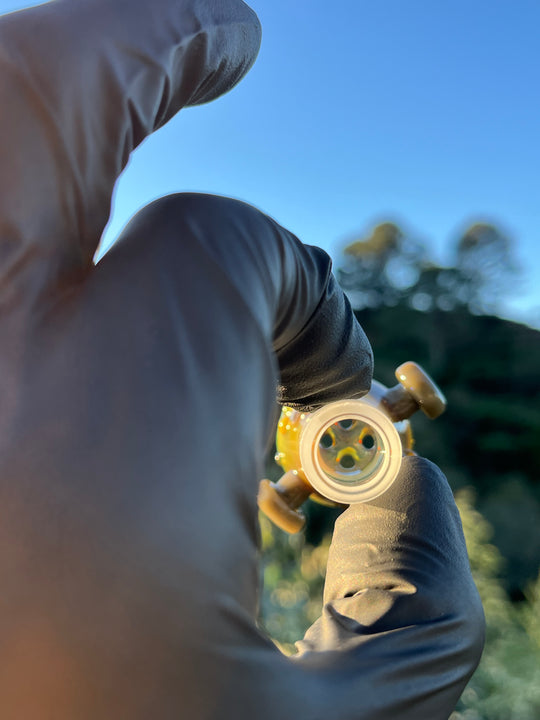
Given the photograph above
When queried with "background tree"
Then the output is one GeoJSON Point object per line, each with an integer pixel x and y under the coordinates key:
{"type": "Point", "coordinates": [389, 266]}
{"type": "Point", "coordinates": [485, 268]}
{"type": "Point", "coordinates": [380, 269]}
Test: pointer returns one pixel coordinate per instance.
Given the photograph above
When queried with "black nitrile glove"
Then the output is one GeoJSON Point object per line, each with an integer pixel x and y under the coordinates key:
{"type": "Point", "coordinates": [135, 411]}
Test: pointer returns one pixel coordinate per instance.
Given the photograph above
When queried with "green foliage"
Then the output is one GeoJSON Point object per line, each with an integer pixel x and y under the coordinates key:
{"type": "Point", "coordinates": [514, 512]}
{"type": "Point", "coordinates": [507, 682]}
{"type": "Point", "coordinates": [293, 579]}
{"type": "Point", "coordinates": [530, 612]}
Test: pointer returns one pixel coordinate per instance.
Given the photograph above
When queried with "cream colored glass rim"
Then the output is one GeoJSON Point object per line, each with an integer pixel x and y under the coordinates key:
{"type": "Point", "coordinates": [380, 480]}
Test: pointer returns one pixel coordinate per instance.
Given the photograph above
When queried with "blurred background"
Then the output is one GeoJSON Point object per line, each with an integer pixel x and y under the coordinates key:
{"type": "Point", "coordinates": [402, 137]}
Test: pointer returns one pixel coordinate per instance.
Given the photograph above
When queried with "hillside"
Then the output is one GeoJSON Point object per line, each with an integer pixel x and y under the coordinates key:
{"type": "Point", "coordinates": [489, 437]}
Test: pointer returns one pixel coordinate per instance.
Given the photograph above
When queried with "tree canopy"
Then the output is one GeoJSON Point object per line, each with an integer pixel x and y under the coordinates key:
{"type": "Point", "coordinates": [389, 266]}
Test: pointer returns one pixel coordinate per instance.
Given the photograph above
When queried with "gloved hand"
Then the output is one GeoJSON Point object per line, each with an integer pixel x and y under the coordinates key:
{"type": "Point", "coordinates": [399, 602]}
{"type": "Point", "coordinates": [128, 469]}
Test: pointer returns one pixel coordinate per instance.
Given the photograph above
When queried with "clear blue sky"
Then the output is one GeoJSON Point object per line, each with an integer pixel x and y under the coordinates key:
{"type": "Point", "coordinates": [422, 112]}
